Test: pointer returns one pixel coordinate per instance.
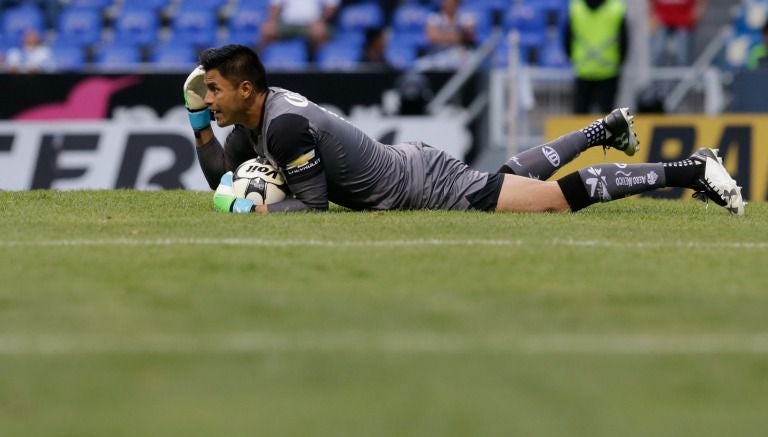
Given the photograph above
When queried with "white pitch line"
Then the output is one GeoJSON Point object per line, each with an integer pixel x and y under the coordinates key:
{"type": "Point", "coordinates": [645, 344]}
{"type": "Point", "coordinates": [258, 242]}
{"type": "Point", "coordinates": [693, 244]}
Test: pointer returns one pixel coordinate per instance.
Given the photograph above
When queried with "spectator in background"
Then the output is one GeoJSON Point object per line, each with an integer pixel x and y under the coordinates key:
{"type": "Point", "coordinates": [596, 41]}
{"type": "Point", "coordinates": [672, 25]}
{"type": "Point", "coordinates": [32, 57]}
{"type": "Point", "coordinates": [50, 8]}
{"type": "Point", "coordinates": [758, 55]}
{"type": "Point", "coordinates": [308, 19]}
{"type": "Point", "coordinates": [376, 40]}
{"type": "Point", "coordinates": [449, 34]}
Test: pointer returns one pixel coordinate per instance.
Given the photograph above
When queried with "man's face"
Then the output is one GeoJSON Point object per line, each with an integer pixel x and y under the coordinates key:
{"type": "Point", "coordinates": [224, 99]}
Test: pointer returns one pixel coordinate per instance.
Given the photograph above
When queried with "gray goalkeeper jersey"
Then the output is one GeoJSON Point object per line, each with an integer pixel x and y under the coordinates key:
{"type": "Point", "coordinates": [324, 158]}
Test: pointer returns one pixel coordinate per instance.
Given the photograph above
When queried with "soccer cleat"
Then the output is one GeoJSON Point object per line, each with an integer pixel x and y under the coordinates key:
{"type": "Point", "coordinates": [619, 133]}
{"type": "Point", "coordinates": [715, 183]}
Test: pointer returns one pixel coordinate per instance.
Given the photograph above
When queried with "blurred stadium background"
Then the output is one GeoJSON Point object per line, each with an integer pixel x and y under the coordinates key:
{"type": "Point", "coordinates": [119, 66]}
{"type": "Point", "coordinates": [126, 312]}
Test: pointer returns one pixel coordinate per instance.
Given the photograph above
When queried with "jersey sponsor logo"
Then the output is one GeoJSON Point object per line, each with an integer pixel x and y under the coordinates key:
{"type": "Point", "coordinates": [627, 180]}
{"type": "Point", "coordinates": [652, 177]}
{"type": "Point", "coordinates": [296, 99]}
{"type": "Point", "coordinates": [303, 167]}
{"type": "Point", "coordinates": [598, 185]}
{"type": "Point", "coordinates": [551, 155]}
{"type": "Point", "coordinates": [302, 160]}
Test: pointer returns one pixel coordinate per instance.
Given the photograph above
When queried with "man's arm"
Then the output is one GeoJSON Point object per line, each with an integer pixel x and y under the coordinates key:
{"type": "Point", "coordinates": [209, 151]}
{"type": "Point", "coordinates": [291, 143]}
{"type": "Point", "coordinates": [216, 160]}
{"type": "Point", "coordinates": [210, 155]}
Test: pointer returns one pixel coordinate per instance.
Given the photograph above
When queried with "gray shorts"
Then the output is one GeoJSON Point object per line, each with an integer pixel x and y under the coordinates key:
{"type": "Point", "coordinates": [440, 181]}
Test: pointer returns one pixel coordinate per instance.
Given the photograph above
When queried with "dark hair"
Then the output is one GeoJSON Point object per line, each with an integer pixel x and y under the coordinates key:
{"type": "Point", "coordinates": [236, 63]}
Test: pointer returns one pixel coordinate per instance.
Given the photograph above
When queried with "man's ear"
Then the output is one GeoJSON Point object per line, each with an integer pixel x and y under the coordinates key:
{"type": "Point", "coordinates": [246, 89]}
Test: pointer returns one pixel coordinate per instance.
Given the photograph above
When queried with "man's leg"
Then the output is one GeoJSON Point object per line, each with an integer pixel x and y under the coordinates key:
{"type": "Point", "coordinates": [703, 172]}
{"type": "Point", "coordinates": [541, 162]}
{"type": "Point", "coordinates": [519, 194]}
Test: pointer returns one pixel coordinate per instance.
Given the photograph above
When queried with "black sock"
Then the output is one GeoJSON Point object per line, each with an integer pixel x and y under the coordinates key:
{"type": "Point", "coordinates": [574, 191]}
{"type": "Point", "coordinates": [606, 182]}
{"type": "Point", "coordinates": [596, 133]}
{"type": "Point", "coordinates": [542, 161]}
{"type": "Point", "coordinates": [682, 173]}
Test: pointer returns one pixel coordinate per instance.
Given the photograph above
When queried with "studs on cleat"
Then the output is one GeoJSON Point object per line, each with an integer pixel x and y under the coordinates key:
{"type": "Point", "coordinates": [715, 183]}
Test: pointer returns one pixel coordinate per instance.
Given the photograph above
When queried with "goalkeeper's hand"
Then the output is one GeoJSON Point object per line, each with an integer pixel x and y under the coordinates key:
{"type": "Point", "coordinates": [194, 100]}
{"type": "Point", "coordinates": [224, 199]}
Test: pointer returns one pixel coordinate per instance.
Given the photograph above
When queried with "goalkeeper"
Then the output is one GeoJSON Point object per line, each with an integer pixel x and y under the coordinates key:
{"type": "Point", "coordinates": [326, 159]}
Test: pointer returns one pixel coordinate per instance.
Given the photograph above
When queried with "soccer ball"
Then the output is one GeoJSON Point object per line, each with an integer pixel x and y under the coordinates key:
{"type": "Point", "coordinates": [258, 180]}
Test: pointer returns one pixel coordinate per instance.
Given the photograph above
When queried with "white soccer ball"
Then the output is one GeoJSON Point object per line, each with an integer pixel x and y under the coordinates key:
{"type": "Point", "coordinates": [258, 180]}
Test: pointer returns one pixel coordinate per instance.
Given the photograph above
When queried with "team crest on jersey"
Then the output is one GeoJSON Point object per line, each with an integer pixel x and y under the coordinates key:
{"type": "Point", "coordinates": [296, 99]}
{"type": "Point", "coordinates": [303, 167]}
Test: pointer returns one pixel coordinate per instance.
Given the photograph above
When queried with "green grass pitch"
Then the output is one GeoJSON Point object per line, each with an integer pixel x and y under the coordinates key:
{"type": "Point", "coordinates": [145, 313]}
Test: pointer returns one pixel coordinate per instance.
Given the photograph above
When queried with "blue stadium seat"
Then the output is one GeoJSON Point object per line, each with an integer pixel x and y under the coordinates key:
{"type": "Point", "coordinates": [401, 57]}
{"type": "Point", "coordinates": [555, 12]}
{"type": "Point", "coordinates": [138, 26]}
{"type": "Point", "coordinates": [361, 16]}
{"type": "Point", "coordinates": [118, 55]}
{"type": "Point", "coordinates": [97, 5]}
{"type": "Point", "coordinates": [153, 5]}
{"type": "Point", "coordinates": [208, 6]}
{"type": "Point", "coordinates": [174, 56]}
{"type": "Point", "coordinates": [196, 26]}
{"type": "Point", "coordinates": [552, 52]}
{"type": "Point", "coordinates": [17, 20]}
{"type": "Point", "coordinates": [68, 57]}
{"type": "Point", "coordinates": [410, 17]}
{"type": "Point", "coordinates": [525, 17]}
{"type": "Point", "coordinates": [254, 4]}
{"type": "Point", "coordinates": [414, 39]}
{"type": "Point", "coordinates": [286, 55]}
{"type": "Point", "coordinates": [349, 37]}
{"type": "Point", "coordinates": [244, 37]}
{"type": "Point", "coordinates": [491, 5]}
{"type": "Point", "coordinates": [82, 26]}
{"type": "Point", "coordinates": [339, 56]}
{"type": "Point", "coordinates": [247, 18]}
{"type": "Point", "coordinates": [481, 16]}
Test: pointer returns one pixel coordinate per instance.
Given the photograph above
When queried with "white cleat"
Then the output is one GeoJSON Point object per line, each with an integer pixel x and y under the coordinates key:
{"type": "Point", "coordinates": [715, 183]}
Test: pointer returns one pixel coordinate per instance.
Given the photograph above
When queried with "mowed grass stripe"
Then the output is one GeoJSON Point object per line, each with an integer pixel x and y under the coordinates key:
{"type": "Point", "coordinates": [389, 342]}
{"type": "Point", "coordinates": [385, 243]}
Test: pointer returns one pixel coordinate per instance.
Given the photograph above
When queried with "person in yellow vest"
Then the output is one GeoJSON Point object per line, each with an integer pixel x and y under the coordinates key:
{"type": "Point", "coordinates": [596, 40]}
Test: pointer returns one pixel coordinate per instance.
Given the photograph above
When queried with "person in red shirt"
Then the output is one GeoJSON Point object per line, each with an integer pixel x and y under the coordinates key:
{"type": "Point", "coordinates": [672, 25]}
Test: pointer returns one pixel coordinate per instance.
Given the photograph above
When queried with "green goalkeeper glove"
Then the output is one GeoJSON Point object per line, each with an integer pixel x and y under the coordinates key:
{"type": "Point", "coordinates": [224, 199]}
